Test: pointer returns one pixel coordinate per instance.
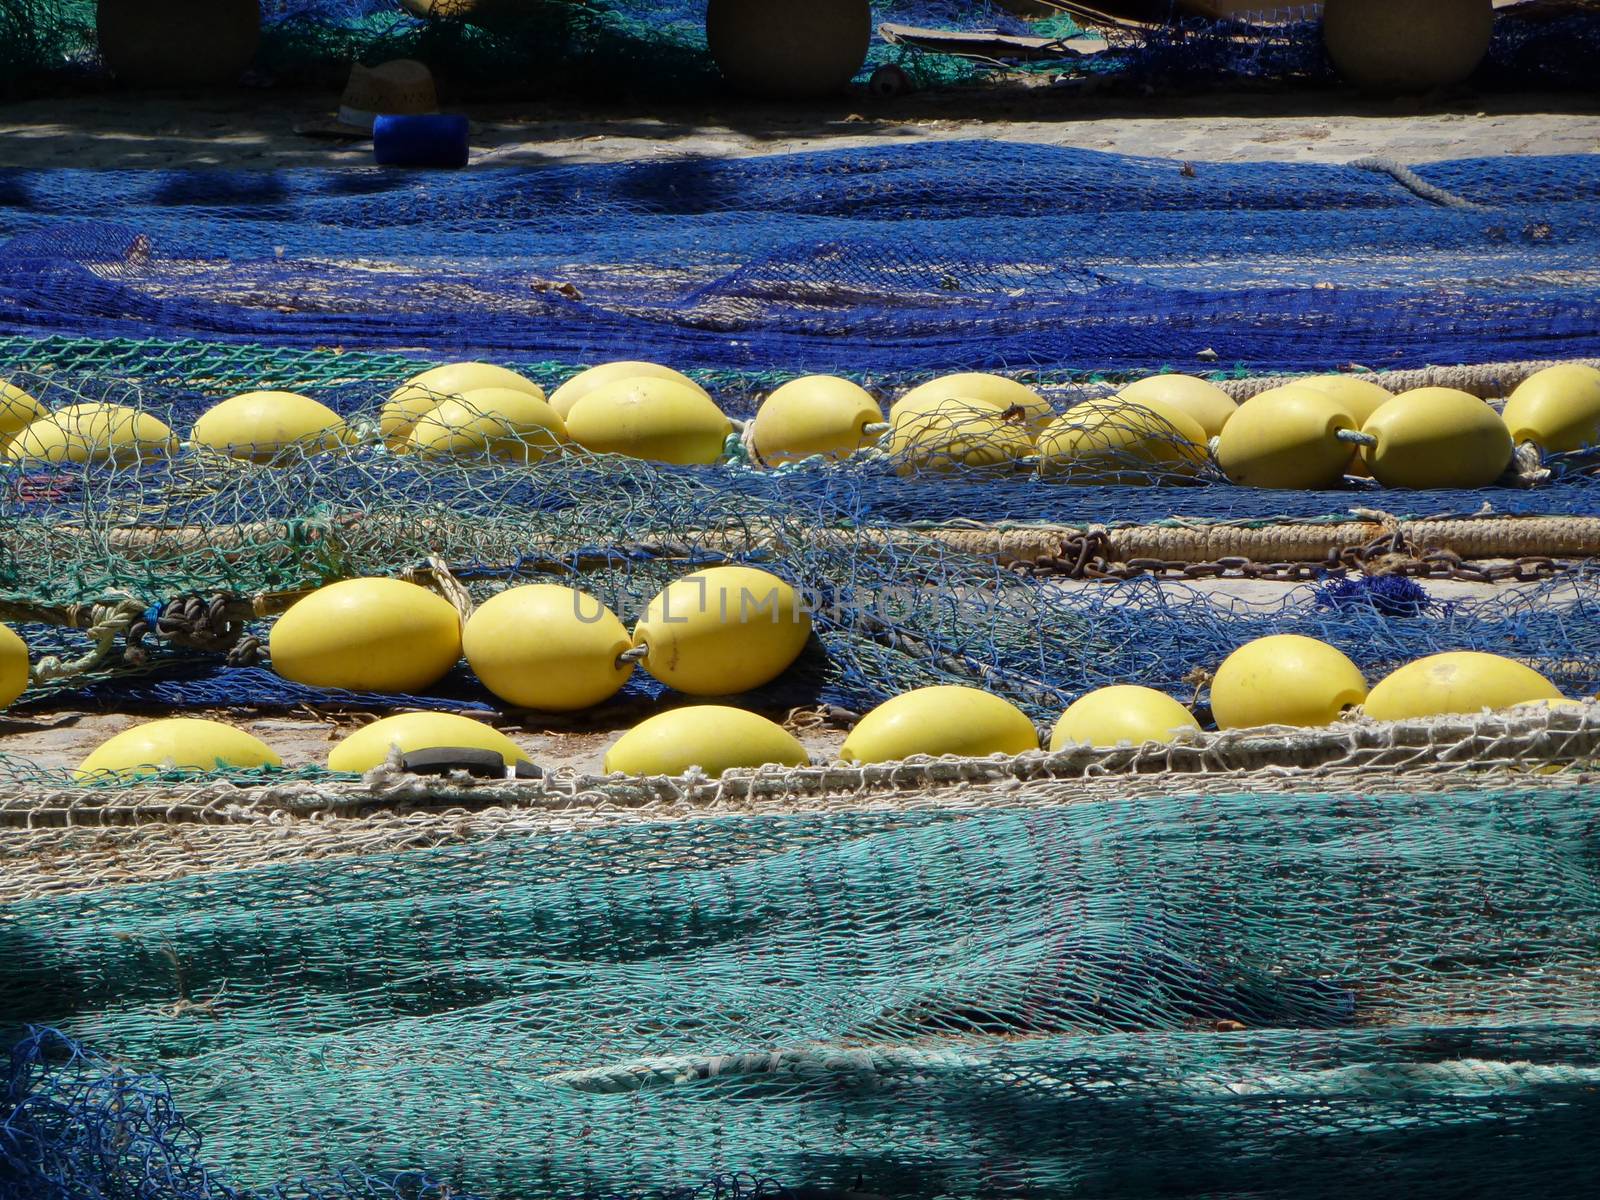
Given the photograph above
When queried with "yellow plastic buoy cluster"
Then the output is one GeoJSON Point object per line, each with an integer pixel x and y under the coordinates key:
{"type": "Point", "coordinates": [371, 745]}
{"type": "Point", "coordinates": [1436, 437]}
{"type": "Point", "coordinates": [1465, 681]}
{"type": "Point", "coordinates": [1557, 409]}
{"type": "Point", "coordinates": [13, 666]}
{"type": "Point", "coordinates": [1206, 404]}
{"type": "Point", "coordinates": [595, 378]}
{"type": "Point", "coordinates": [946, 719]}
{"type": "Point", "coordinates": [1286, 438]}
{"type": "Point", "coordinates": [1125, 713]}
{"type": "Point", "coordinates": [370, 635]}
{"type": "Point", "coordinates": [1021, 404]}
{"type": "Point", "coordinates": [181, 742]}
{"type": "Point", "coordinates": [819, 414]}
{"type": "Point", "coordinates": [722, 630]}
{"type": "Point", "coordinates": [262, 426]}
{"type": "Point", "coordinates": [93, 433]}
{"type": "Point", "coordinates": [938, 435]}
{"type": "Point", "coordinates": [661, 420]}
{"type": "Point", "coordinates": [547, 647]}
{"type": "Point", "coordinates": [788, 51]}
{"type": "Point", "coordinates": [1284, 679]}
{"type": "Point", "coordinates": [502, 423]}
{"type": "Point", "coordinates": [424, 392]}
{"type": "Point", "coordinates": [1407, 45]}
{"type": "Point", "coordinates": [712, 737]}
{"type": "Point", "coordinates": [1117, 440]}
{"type": "Point", "coordinates": [18, 410]}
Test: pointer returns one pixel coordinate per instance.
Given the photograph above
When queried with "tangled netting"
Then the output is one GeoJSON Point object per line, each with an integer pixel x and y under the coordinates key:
{"type": "Point", "coordinates": [1274, 990]}
{"type": "Point", "coordinates": [881, 262]}
{"type": "Point", "coordinates": [658, 47]}
{"type": "Point", "coordinates": [141, 583]}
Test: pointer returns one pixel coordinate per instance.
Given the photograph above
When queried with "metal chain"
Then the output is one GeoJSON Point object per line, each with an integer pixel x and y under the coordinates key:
{"type": "Point", "coordinates": [1086, 556]}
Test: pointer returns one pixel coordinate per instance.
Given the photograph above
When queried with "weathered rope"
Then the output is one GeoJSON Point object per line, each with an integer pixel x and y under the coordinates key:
{"type": "Point", "coordinates": [1484, 380]}
{"type": "Point", "coordinates": [1411, 181]}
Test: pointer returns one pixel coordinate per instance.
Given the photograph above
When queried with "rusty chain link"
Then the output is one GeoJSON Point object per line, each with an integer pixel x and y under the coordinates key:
{"type": "Point", "coordinates": [1087, 556]}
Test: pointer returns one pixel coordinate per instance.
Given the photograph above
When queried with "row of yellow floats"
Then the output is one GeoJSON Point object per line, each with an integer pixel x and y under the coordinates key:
{"type": "Point", "coordinates": [1279, 680]}
{"type": "Point", "coordinates": [1307, 434]}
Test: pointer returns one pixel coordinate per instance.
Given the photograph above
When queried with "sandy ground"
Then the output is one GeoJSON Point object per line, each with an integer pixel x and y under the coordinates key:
{"type": "Point", "coordinates": [256, 128]}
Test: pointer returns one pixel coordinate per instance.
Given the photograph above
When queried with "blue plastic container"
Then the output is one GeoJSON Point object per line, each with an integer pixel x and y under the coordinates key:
{"type": "Point", "coordinates": [430, 140]}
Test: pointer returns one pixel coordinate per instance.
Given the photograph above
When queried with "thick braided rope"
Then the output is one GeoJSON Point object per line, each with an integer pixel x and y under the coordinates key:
{"type": "Point", "coordinates": [1484, 380]}
{"type": "Point", "coordinates": [1411, 181]}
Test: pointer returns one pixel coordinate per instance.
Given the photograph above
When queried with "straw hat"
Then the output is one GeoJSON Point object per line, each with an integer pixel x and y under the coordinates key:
{"type": "Point", "coordinates": [403, 87]}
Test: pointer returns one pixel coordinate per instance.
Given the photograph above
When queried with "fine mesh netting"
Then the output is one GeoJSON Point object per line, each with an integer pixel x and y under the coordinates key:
{"type": "Point", "coordinates": [1274, 963]}
{"type": "Point", "coordinates": [882, 263]}
{"type": "Point", "coordinates": [1281, 989]}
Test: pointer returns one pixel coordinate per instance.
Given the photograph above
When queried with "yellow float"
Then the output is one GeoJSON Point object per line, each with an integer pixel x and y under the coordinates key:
{"type": "Point", "coordinates": [1117, 440]}
{"type": "Point", "coordinates": [1284, 679]}
{"type": "Point", "coordinates": [1287, 438]}
{"type": "Point", "coordinates": [1557, 409]}
{"type": "Point", "coordinates": [1436, 438]}
{"type": "Point", "coordinates": [1358, 397]}
{"type": "Point", "coordinates": [936, 435]}
{"type": "Point", "coordinates": [93, 433]}
{"type": "Point", "coordinates": [495, 422]}
{"type": "Point", "coordinates": [1123, 714]}
{"type": "Point", "coordinates": [819, 414]}
{"type": "Point", "coordinates": [262, 426]}
{"type": "Point", "coordinates": [424, 392]}
{"type": "Point", "coordinates": [17, 410]}
{"type": "Point", "coordinates": [595, 378]}
{"type": "Point", "coordinates": [367, 635]}
{"type": "Point", "coordinates": [13, 666]}
{"type": "Point", "coordinates": [946, 719]}
{"type": "Point", "coordinates": [1205, 403]}
{"type": "Point", "coordinates": [722, 630]}
{"type": "Point", "coordinates": [1017, 400]}
{"type": "Point", "coordinates": [409, 732]}
{"type": "Point", "coordinates": [712, 737]}
{"type": "Point", "coordinates": [547, 647]}
{"type": "Point", "coordinates": [184, 743]}
{"type": "Point", "coordinates": [1464, 681]}
{"type": "Point", "coordinates": [661, 420]}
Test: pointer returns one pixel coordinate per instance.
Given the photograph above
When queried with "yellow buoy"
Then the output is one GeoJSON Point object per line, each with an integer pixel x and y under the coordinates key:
{"type": "Point", "coordinates": [930, 434]}
{"type": "Point", "coordinates": [1437, 437]}
{"type": "Point", "coordinates": [1357, 396]}
{"type": "Point", "coordinates": [820, 414]}
{"type": "Point", "coordinates": [1464, 681]}
{"type": "Point", "coordinates": [947, 719]}
{"type": "Point", "coordinates": [713, 737]}
{"type": "Point", "coordinates": [497, 422]}
{"type": "Point", "coordinates": [1206, 403]}
{"type": "Point", "coordinates": [657, 419]}
{"type": "Point", "coordinates": [1286, 438]}
{"type": "Point", "coordinates": [1285, 679]}
{"type": "Point", "coordinates": [367, 635]}
{"type": "Point", "coordinates": [184, 743]}
{"type": "Point", "coordinates": [1111, 716]}
{"type": "Point", "coordinates": [261, 426]}
{"type": "Point", "coordinates": [17, 410]}
{"type": "Point", "coordinates": [547, 647]}
{"type": "Point", "coordinates": [93, 433]}
{"type": "Point", "coordinates": [1407, 45]}
{"type": "Point", "coordinates": [1017, 400]}
{"type": "Point", "coordinates": [789, 51]}
{"type": "Point", "coordinates": [1117, 440]}
{"type": "Point", "coordinates": [722, 630]}
{"type": "Point", "coordinates": [1557, 408]}
{"type": "Point", "coordinates": [424, 392]}
{"type": "Point", "coordinates": [595, 378]}
{"type": "Point", "coordinates": [371, 745]}
{"type": "Point", "coordinates": [13, 666]}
